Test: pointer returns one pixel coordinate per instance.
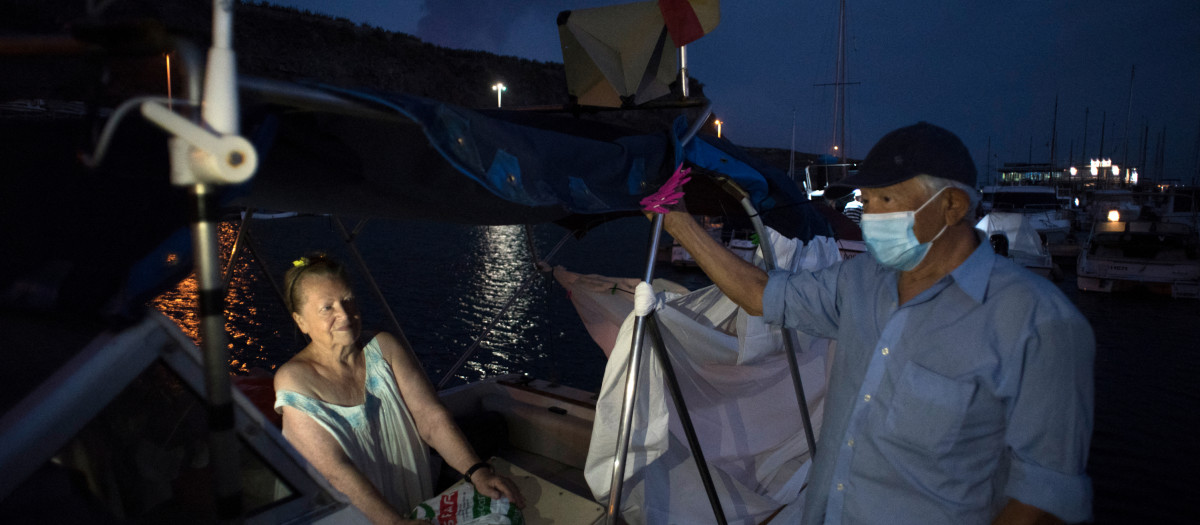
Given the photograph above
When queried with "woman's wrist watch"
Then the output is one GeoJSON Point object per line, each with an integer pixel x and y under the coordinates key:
{"type": "Point", "coordinates": [475, 467]}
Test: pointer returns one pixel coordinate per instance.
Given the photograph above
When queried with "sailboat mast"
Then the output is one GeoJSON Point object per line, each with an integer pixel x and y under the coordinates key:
{"type": "Point", "coordinates": [1128, 110]}
{"type": "Point", "coordinates": [839, 100]}
{"type": "Point", "coordinates": [1054, 138]}
{"type": "Point", "coordinates": [1196, 158]}
{"type": "Point", "coordinates": [792, 150]}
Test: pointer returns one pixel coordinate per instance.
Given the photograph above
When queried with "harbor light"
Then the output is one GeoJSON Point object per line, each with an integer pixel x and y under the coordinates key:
{"type": "Point", "coordinates": [1073, 171]}
{"type": "Point", "coordinates": [1116, 170]}
{"type": "Point", "coordinates": [170, 97]}
{"type": "Point", "coordinates": [499, 88]}
{"type": "Point", "coordinates": [718, 123]}
{"type": "Point", "coordinates": [1114, 216]}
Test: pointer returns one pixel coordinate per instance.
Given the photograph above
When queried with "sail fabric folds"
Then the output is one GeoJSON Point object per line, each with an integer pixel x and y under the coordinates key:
{"type": "Point", "coordinates": [615, 55]}
{"type": "Point", "coordinates": [735, 380]}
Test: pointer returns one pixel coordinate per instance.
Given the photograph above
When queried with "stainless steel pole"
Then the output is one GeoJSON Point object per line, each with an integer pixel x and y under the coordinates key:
{"type": "Point", "coordinates": [789, 349]}
{"type": "Point", "coordinates": [685, 418]}
{"type": "Point", "coordinates": [683, 74]}
{"type": "Point", "coordinates": [220, 112]}
{"type": "Point", "coordinates": [632, 370]}
{"type": "Point", "coordinates": [211, 304]}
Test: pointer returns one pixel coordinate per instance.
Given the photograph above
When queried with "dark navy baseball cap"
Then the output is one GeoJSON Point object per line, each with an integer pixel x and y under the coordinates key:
{"type": "Point", "coordinates": [919, 149]}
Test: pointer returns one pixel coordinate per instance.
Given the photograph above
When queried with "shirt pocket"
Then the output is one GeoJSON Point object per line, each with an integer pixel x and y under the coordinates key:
{"type": "Point", "coordinates": [928, 409]}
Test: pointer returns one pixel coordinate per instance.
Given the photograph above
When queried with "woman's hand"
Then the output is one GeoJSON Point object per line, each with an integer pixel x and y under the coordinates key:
{"type": "Point", "coordinates": [493, 486]}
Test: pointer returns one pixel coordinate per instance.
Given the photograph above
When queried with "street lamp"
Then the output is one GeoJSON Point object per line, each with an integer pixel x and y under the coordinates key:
{"type": "Point", "coordinates": [718, 123]}
{"type": "Point", "coordinates": [499, 89]}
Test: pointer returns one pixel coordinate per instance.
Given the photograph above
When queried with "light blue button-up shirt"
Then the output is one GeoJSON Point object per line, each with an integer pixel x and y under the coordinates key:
{"type": "Point", "coordinates": [977, 390]}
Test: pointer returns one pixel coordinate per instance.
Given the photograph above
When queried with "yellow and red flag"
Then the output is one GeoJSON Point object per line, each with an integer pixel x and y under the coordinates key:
{"type": "Point", "coordinates": [621, 54]}
{"type": "Point", "coordinates": [688, 20]}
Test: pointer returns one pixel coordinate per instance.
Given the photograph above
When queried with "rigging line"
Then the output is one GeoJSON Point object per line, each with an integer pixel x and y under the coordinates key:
{"type": "Point", "coordinates": [348, 239]}
{"type": "Point", "coordinates": [118, 115]}
{"type": "Point", "coordinates": [487, 330]}
{"type": "Point", "coordinates": [233, 252]}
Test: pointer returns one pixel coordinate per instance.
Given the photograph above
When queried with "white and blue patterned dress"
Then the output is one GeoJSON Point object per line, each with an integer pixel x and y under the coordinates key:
{"type": "Point", "coordinates": [379, 436]}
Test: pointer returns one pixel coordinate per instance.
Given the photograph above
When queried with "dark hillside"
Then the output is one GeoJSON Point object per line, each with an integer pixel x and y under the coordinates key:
{"type": "Point", "coordinates": [274, 42]}
{"type": "Point", "coordinates": [280, 43]}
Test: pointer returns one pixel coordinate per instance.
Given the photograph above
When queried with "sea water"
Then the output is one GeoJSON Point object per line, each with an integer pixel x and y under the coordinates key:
{"type": "Point", "coordinates": [451, 285]}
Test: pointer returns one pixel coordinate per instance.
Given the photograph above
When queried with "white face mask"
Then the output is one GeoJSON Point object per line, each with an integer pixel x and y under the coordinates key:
{"type": "Point", "coordinates": [891, 240]}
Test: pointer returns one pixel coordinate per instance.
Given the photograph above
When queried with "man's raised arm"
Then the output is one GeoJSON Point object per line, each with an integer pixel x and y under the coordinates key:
{"type": "Point", "coordinates": [739, 280]}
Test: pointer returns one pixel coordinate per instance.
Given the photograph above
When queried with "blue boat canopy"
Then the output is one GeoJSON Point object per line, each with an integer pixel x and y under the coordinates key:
{"type": "Point", "coordinates": [327, 150]}
{"type": "Point", "coordinates": [367, 153]}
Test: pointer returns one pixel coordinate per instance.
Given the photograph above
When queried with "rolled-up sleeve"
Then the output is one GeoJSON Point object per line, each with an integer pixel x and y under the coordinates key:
{"type": "Point", "coordinates": [1050, 421]}
{"type": "Point", "coordinates": [806, 301]}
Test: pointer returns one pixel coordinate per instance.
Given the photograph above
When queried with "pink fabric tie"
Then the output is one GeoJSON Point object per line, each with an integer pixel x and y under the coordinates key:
{"type": "Point", "coordinates": [668, 194]}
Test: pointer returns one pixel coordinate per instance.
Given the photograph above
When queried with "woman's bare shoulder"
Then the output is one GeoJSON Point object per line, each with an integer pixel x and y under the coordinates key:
{"type": "Point", "coordinates": [395, 351]}
{"type": "Point", "coordinates": [389, 344]}
{"type": "Point", "coordinates": [295, 375]}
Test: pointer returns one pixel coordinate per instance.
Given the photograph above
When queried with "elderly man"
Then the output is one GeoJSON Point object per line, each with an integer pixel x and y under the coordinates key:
{"type": "Point", "coordinates": [962, 385]}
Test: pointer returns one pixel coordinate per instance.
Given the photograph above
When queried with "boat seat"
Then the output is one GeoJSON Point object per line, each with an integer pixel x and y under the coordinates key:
{"type": "Point", "coordinates": [561, 437]}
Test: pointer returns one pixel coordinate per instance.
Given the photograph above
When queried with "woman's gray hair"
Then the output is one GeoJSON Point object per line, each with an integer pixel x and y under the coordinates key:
{"type": "Point", "coordinates": [936, 184]}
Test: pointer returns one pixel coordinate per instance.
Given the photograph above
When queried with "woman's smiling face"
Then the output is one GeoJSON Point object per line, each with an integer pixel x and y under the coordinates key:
{"type": "Point", "coordinates": [328, 312]}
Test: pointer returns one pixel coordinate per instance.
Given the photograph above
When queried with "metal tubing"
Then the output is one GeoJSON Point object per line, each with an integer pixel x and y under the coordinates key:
{"type": "Point", "coordinates": [659, 348]}
{"type": "Point", "coordinates": [699, 123]}
{"type": "Point", "coordinates": [788, 346]}
{"type": "Point", "coordinates": [632, 369]}
{"type": "Point", "coordinates": [222, 439]}
{"type": "Point", "coordinates": [683, 75]}
{"type": "Point", "coordinates": [218, 389]}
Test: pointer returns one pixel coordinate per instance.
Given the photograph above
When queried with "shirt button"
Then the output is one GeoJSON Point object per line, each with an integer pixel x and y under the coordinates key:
{"type": "Point", "coordinates": [850, 443]}
{"type": "Point", "coordinates": [885, 351]}
{"type": "Point", "coordinates": [867, 398]}
{"type": "Point", "coordinates": [840, 487]}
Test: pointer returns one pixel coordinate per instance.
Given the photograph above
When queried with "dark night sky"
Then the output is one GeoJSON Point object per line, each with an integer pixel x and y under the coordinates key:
{"type": "Point", "coordinates": [985, 70]}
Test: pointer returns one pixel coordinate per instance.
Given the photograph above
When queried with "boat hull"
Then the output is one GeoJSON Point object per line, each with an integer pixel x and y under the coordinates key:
{"type": "Point", "coordinates": [1159, 257]}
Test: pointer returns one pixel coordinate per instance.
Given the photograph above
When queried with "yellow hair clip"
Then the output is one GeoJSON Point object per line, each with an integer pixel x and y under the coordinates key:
{"type": "Point", "coordinates": [303, 261]}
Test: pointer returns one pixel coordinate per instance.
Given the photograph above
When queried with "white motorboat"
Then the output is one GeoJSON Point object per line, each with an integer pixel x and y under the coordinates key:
{"type": "Point", "coordinates": [1100, 204]}
{"type": "Point", "coordinates": [1176, 204]}
{"type": "Point", "coordinates": [1122, 255]}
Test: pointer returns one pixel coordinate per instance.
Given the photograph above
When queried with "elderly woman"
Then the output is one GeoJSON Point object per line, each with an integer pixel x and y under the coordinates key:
{"type": "Point", "coordinates": [362, 415]}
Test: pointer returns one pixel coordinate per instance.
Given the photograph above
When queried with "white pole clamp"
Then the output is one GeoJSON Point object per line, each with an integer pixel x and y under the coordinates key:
{"type": "Point", "coordinates": [212, 158]}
